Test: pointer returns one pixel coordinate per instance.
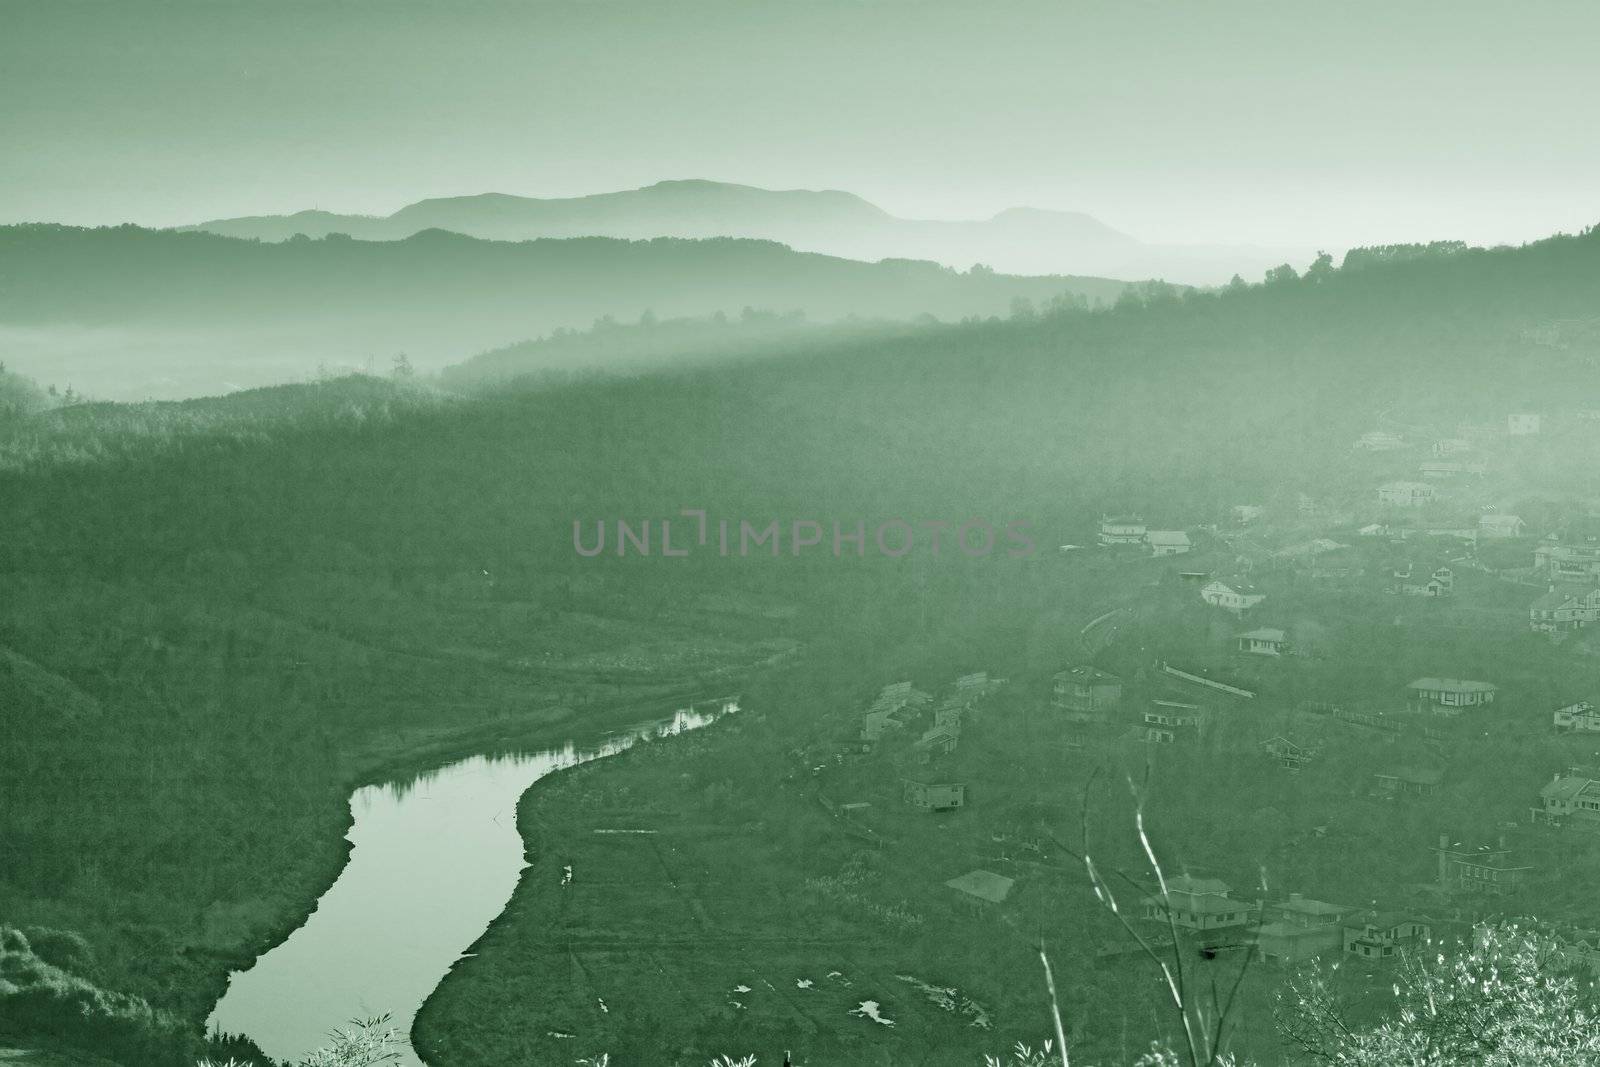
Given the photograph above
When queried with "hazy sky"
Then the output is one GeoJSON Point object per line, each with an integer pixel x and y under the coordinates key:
{"type": "Point", "coordinates": [1276, 123]}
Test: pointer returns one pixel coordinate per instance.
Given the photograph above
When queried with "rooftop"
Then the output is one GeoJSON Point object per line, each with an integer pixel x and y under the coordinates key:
{"type": "Point", "coordinates": [1415, 775]}
{"type": "Point", "coordinates": [1186, 884]}
{"type": "Point", "coordinates": [1087, 675]}
{"type": "Point", "coordinates": [1307, 906]}
{"type": "Point", "coordinates": [985, 885]}
{"type": "Point", "coordinates": [1567, 788]}
{"type": "Point", "coordinates": [1452, 685]}
{"type": "Point", "coordinates": [1235, 584]}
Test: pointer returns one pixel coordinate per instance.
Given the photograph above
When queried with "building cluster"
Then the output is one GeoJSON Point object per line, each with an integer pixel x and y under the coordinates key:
{"type": "Point", "coordinates": [1300, 928]}
{"type": "Point", "coordinates": [1085, 694]}
{"type": "Point", "coordinates": [1291, 930]}
{"type": "Point", "coordinates": [930, 728]}
{"type": "Point", "coordinates": [1570, 563]}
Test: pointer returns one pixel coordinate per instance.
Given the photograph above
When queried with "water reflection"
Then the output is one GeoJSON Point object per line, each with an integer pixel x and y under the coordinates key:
{"type": "Point", "coordinates": [434, 860]}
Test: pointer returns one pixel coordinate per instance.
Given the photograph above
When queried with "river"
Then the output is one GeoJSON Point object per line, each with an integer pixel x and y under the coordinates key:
{"type": "Point", "coordinates": [433, 861]}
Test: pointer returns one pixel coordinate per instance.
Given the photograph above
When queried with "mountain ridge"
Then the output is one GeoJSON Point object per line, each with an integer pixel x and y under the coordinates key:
{"type": "Point", "coordinates": [144, 313]}
{"type": "Point", "coordinates": [1020, 239]}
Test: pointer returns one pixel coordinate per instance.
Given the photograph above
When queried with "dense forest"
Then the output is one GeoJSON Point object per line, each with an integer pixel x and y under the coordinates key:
{"type": "Point", "coordinates": [216, 616]}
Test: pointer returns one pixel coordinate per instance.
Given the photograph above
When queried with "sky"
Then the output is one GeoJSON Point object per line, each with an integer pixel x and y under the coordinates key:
{"type": "Point", "coordinates": [1272, 123]}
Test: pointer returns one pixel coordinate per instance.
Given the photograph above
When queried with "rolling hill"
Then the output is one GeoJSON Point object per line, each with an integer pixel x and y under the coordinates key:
{"type": "Point", "coordinates": [1017, 240]}
{"type": "Point", "coordinates": [132, 313]}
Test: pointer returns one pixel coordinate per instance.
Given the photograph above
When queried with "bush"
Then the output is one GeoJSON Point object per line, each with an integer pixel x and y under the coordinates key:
{"type": "Point", "coordinates": [1505, 1001]}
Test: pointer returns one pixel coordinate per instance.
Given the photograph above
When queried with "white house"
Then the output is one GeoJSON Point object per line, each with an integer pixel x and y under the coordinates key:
{"type": "Point", "coordinates": [1264, 642]}
{"type": "Point", "coordinates": [1563, 608]}
{"type": "Point", "coordinates": [1405, 494]}
{"type": "Point", "coordinates": [1198, 904]}
{"type": "Point", "coordinates": [1522, 424]}
{"type": "Point", "coordinates": [1447, 696]}
{"type": "Point", "coordinates": [1168, 542]}
{"type": "Point", "coordinates": [1167, 722]}
{"type": "Point", "coordinates": [1233, 595]}
{"type": "Point", "coordinates": [1581, 717]}
{"type": "Point", "coordinates": [1568, 562]}
{"type": "Point", "coordinates": [1122, 530]}
{"type": "Point", "coordinates": [1501, 526]}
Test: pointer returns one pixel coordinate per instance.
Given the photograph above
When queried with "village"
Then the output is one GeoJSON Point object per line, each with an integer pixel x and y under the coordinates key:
{"type": "Point", "coordinates": [1235, 646]}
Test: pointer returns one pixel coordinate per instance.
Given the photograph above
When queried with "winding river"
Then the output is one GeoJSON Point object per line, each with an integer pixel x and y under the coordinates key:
{"type": "Point", "coordinates": [433, 861]}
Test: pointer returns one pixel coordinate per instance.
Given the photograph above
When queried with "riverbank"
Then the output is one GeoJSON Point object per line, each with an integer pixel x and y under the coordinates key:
{"type": "Point", "coordinates": [400, 760]}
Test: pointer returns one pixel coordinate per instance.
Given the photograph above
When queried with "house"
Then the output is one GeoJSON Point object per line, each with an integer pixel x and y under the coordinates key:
{"type": "Point", "coordinates": [1408, 782]}
{"type": "Point", "coordinates": [1299, 929]}
{"type": "Point", "coordinates": [1446, 696]}
{"type": "Point", "coordinates": [1245, 514]}
{"type": "Point", "coordinates": [1233, 595]}
{"type": "Point", "coordinates": [936, 796]}
{"type": "Point", "coordinates": [1380, 441]}
{"type": "Point", "coordinates": [1451, 446]}
{"type": "Point", "coordinates": [1307, 913]}
{"type": "Point", "coordinates": [1405, 494]}
{"type": "Point", "coordinates": [1522, 424]}
{"type": "Point", "coordinates": [1499, 526]}
{"type": "Point", "coordinates": [894, 707]}
{"type": "Point", "coordinates": [939, 741]}
{"type": "Point", "coordinates": [1570, 797]}
{"type": "Point", "coordinates": [1568, 562]}
{"type": "Point", "coordinates": [1085, 689]}
{"type": "Point", "coordinates": [1168, 542]}
{"type": "Point", "coordinates": [1480, 869]}
{"type": "Point", "coordinates": [1442, 582]}
{"type": "Point", "coordinates": [977, 685]}
{"type": "Point", "coordinates": [1167, 721]}
{"type": "Point", "coordinates": [1264, 642]}
{"type": "Point", "coordinates": [1197, 904]}
{"type": "Point", "coordinates": [1374, 529]}
{"type": "Point", "coordinates": [1381, 935]}
{"type": "Point", "coordinates": [1121, 530]}
{"type": "Point", "coordinates": [1565, 607]}
{"type": "Point", "coordinates": [982, 889]}
{"type": "Point", "coordinates": [948, 713]}
{"type": "Point", "coordinates": [897, 696]}
{"type": "Point", "coordinates": [1287, 753]}
{"type": "Point", "coordinates": [1580, 717]}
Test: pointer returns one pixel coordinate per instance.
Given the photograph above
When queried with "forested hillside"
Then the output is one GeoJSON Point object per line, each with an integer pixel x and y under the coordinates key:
{"type": "Point", "coordinates": [215, 617]}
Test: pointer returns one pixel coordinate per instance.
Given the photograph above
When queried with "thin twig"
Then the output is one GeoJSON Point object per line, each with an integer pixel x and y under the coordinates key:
{"type": "Point", "coordinates": [1055, 1005]}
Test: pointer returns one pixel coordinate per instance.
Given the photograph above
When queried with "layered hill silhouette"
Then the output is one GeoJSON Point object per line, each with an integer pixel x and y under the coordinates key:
{"type": "Point", "coordinates": [1019, 240]}
{"type": "Point", "coordinates": [126, 312]}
